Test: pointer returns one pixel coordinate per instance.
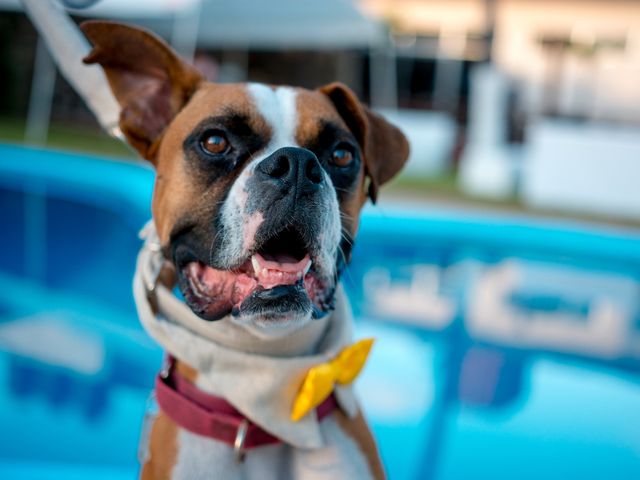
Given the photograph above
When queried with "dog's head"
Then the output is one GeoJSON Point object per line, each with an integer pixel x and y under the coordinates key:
{"type": "Point", "coordinates": [258, 187]}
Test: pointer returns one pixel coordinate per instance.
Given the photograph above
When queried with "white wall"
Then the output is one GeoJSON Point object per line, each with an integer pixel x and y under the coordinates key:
{"type": "Point", "coordinates": [589, 168]}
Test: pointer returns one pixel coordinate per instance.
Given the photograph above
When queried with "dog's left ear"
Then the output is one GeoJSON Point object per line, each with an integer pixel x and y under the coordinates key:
{"type": "Point", "coordinates": [149, 80]}
{"type": "Point", "coordinates": [384, 146]}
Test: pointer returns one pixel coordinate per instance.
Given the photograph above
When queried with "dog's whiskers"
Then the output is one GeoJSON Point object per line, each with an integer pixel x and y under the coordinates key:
{"type": "Point", "coordinates": [213, 240]}
{"type": "Point", "coordinates": [346, 236]}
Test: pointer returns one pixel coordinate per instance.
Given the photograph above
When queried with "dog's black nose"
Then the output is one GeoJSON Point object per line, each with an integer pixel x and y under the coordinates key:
{"type": "Point", "coordinates": [291, 167]}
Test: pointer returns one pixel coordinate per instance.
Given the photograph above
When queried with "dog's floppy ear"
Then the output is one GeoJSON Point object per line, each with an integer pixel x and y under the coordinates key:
{"type": "Point", "coordinates": [150, 82]}
{"type": "Point", "coordinates": [384, 146]}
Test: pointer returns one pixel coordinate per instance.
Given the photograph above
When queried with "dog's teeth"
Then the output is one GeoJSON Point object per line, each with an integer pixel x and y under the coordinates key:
{"type": "Point", "coordinates": [256, 264]}
{"type": "Point", "coordinates": [306, 268]}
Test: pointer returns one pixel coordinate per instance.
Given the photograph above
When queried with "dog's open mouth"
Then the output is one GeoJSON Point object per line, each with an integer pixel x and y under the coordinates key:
{"type": "Point", "coordinates": [276, 280]}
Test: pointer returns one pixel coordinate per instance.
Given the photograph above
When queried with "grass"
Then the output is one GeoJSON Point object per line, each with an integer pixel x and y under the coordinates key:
{"type": "Point", "coordinates": [444, 189]}
{"type": "Point", "coordinates": [65, 137]}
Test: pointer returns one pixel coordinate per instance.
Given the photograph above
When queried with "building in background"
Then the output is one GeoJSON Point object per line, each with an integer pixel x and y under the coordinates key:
{"type": "Point", "coordinates": [555, 108]}
{"type": "Point", "coordinates": [575, 58]}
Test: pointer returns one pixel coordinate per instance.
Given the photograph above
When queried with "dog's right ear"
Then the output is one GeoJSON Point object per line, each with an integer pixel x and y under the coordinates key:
{"type": "Point", "coordinates": [150, 82]}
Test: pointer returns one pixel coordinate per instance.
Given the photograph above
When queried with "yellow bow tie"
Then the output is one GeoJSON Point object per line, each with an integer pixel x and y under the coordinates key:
{"type": "Point", "coordinates": [321, 379]}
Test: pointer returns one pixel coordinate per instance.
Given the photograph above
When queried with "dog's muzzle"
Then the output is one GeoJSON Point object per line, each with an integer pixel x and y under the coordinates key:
{"type": "Point", "coordinates": [287, 266]}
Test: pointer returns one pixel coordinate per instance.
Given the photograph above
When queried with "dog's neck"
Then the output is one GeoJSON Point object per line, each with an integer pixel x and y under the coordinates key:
{"type": "Point", "coordinates": [286, 343]}
{"type": "Point", "coordinates": [258, 373]}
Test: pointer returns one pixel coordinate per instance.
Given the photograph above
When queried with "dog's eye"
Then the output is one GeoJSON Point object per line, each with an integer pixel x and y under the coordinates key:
{"type": "Point", "coordinates": [342, 156]}
{"type": "Point", "coordinates": [214, 143]}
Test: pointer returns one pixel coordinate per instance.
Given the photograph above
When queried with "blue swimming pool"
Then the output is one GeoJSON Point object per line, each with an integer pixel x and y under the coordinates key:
{"type": "Point", "coordinates": [507, 347]}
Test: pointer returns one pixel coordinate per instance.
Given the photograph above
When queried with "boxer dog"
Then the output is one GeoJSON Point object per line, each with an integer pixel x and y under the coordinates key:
{"type": "Point", "coordinates": [256, 201]}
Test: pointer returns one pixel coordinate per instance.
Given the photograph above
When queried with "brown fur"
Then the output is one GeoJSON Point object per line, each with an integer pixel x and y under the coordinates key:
{"type": "Point", "coordinates": [177, 197]}
{"type": "Point", "coordinates": [163, 449]}
{"type": "Point", "coordinates": [186, 371]}
{"type": "Point", "coordinates": [359, 432]}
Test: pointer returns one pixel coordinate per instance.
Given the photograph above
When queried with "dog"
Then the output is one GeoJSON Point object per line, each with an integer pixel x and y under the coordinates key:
{"type": "Point", "coordinates": [256, 204]}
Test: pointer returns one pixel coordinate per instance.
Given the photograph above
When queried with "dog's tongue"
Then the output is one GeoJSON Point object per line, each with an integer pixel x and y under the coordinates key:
{"type": "Point", "coordinates": [218, 291]}
{"type": "Point", "coordinates": [279, 269]}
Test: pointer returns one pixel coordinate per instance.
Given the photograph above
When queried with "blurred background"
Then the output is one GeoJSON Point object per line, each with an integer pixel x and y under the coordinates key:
{"type": "Point", "coordinates": [500, 272]}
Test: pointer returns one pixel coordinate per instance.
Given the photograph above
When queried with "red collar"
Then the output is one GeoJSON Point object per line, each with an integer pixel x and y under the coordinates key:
{"type": "Point", "coordinates": [212, 416]}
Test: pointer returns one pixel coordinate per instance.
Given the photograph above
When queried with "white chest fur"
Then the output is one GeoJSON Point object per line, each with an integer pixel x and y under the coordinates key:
{"type": "Point", "coordinates": [341, 459]}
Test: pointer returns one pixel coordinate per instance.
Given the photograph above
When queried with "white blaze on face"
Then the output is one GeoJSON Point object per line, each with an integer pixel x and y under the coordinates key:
{"type": "Point", "coordinates": [278, 108]}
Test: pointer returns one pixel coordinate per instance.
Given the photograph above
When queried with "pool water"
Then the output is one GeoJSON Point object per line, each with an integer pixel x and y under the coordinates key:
{"type": "Point", "coordinates": [506, 347]}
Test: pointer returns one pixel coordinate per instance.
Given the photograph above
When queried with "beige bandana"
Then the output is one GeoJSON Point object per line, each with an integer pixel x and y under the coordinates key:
{"type": "Point", "coordinates": [262, 387]}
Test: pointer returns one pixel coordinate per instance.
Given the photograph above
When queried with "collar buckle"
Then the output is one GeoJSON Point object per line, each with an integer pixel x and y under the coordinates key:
{"type": "Point", "coordinates": [238, 443]}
